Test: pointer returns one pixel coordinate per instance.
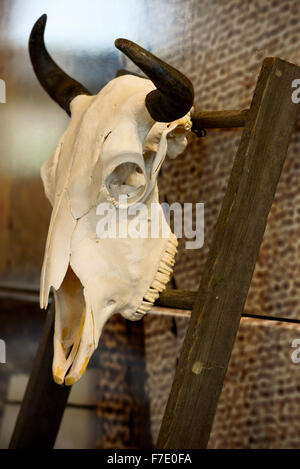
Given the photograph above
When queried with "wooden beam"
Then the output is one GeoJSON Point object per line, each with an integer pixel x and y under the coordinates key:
{"type": "Point", "coordinates": [186, 313]}
{"type": "Point", "coordinates": [219, 119]}
{"type": "Point", "coordinates": [181, 299]}
{"type": "Point", "coordinates": [231, 260]}
{"type": "Point", "coordinates": [44, 401]}
{"type": "Point", "coordinates": [174, 302]}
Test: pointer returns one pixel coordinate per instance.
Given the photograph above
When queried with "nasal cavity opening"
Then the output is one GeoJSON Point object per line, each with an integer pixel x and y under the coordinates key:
{"type": "Point", "coordinates": [126, 180]}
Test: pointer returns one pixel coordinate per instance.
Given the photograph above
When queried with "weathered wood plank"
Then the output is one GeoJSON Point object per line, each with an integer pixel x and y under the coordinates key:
{"type": "Point", "coordinates": [186, 313]}
{"type": "Point", "coordinates": [181, 299]}
{"type": "Point", "coordinates": [178, 302]}
{"type": "Point", "coordinates": [239, 231]}
{"type": "Point", "coordinates": [219, 119]}
{"type": "Point", "coordinates": [44, 401]}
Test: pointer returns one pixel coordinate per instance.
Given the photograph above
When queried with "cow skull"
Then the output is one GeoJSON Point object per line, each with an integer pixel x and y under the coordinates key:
{"type": "Point", "coordinates": [110, 154]}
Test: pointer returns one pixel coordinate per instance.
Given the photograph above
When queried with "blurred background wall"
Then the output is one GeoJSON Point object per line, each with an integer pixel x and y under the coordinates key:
{"type": "Point", "coordinates": [220, 46]}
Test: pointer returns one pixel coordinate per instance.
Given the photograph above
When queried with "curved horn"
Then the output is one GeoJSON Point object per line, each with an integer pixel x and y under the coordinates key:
{"type": "Point", "coordinates": [60, 86]}
{"type": "Point", "coordinates": [175, 93]}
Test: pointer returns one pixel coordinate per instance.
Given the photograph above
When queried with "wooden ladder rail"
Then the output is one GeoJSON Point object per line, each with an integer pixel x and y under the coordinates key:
{"type": "Point", "coordinates": [187, 423]}
{"type": "Point", "coordinates": [44, 401]}
{"type": "Point", "coordinates": [223, 289]}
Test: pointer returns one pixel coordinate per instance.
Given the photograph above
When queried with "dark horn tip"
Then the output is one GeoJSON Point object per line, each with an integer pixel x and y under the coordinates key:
{"type": "Point", "coordinates": [39, 25]}
{"type": "Point", "coordinates": [130, 48]}
{"type": "Point", "coordinates": [174, 95]}
{"type": "Point", "coordinates": [37, 32]}
{"type": "Point", "coordinates": [120, 42]}
{"type": "Point", "coordinates": [60, 86]}
{"type": "Point", "coordinates": [42, 19]}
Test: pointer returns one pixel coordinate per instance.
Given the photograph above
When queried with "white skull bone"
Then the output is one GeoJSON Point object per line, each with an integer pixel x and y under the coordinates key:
{"type": "Point", "coordinates": [111, 147]}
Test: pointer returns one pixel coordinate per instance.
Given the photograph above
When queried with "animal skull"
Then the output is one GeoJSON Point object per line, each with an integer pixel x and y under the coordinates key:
{"type": "Point", "coordinates": [110, 154]}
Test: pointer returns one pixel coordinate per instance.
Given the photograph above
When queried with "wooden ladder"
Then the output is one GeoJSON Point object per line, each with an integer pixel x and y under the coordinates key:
{"type": "Point", "coordinates": [218, 305]}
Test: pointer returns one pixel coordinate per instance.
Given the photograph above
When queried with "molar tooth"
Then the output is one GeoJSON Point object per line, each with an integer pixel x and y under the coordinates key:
{"type": "Point", "coordinates": [147, 303]}
{"type": "Point", "coordinates": [138, 314]}
{"type": "Point", "coordinates": [166, 267]}
{"type": "Point", "coordinates": [163, 271]}
{"type": "Point", "coordinates": [173, 240]}
{"type": "Point", "coordinates": [171, 249]}
{"type": "Point", "coordinates": [169, 259]}
{"type": "Point", "coordinates": [158, 285]}
{"type": "Point", "coordinates": [161, 277]}
{"type": "Point", "coordinates": [144, 307]}
{"type": "Point", "coordinates": [151, 295]}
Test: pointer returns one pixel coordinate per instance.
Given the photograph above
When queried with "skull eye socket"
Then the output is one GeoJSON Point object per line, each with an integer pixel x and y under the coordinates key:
{"type": "Point", "coordinates": [126, 180]}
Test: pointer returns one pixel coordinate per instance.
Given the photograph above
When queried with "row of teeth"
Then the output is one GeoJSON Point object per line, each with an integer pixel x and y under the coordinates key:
{"type": "Point", "coordinates": [161, 279]}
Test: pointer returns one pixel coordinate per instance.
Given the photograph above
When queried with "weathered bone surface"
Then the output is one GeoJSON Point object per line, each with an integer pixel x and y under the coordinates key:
{"type": "Point", "coordinates": [110, 154]}
{"type": "Point", "coordinates": [112, 147]}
